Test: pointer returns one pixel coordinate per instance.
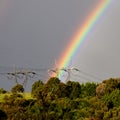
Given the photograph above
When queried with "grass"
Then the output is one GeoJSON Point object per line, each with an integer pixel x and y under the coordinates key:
{"type": "Point", "coordinates": [3, 95]}
{"type": "Point", "coordinates": [26, 95]}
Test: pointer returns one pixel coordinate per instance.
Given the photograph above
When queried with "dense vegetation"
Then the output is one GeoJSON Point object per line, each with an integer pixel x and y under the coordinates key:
{"type": "Point", "coordinates": [55, 100]}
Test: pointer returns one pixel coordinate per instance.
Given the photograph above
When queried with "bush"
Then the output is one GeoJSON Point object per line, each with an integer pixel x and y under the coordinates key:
{"type": "Point", "coordinates": [112, 99]}
{"type": "Point", "coordinates": [111, 84]}
{"type": "Point", "coordinates": [2, 91]}
{"type": "Point", "coordinates": [18, 88]}
{"type": "Point", "coordinates": [88, 89]}
{"type": "Point", "coordinates": [100, 90]}
{"type": "Point", "coordinates": [74, 89]}
{"type": "Point", "coordinates": [36, 88]}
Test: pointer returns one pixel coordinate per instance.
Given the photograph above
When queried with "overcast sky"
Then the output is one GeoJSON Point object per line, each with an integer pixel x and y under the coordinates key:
{"type": "Point", "coordinates": [36, 32]}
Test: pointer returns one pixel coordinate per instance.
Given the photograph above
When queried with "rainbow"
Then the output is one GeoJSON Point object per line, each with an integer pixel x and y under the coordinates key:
{"type": "Point", "coordinates": [82, 34]}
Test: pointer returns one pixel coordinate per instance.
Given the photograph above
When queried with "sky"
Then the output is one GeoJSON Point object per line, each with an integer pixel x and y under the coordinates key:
{"type": "Point", "coordinates": [35, 33]}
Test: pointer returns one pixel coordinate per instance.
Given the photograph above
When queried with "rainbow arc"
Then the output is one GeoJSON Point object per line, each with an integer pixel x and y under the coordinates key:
{"type": "Point", "coordinates": [82, 33]}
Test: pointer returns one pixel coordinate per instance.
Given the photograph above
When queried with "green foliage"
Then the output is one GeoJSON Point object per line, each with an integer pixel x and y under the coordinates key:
{"type": "Point", "coordinates": [62, 91]}
{"type": "Point", "coordinates": [107, 86]}
{"type": "Point", "coordinates": [2, 91]}
{"type": "Point", "coordinates": [53, 81]}
{"type": "Point", "coordinates": [37, 89]}
{"type": "Point", "coordinates": [45, 91]}
{"type": "Point", "coordinates": [88, 89]}
{"type": "Point", "coordinates": [15, 95]}
{"type": "Point", "coordinates": [112, 114]}
{"type": "Point", "coordinates": [112, 99]}
{"type": "Point", "coordinates": [74, 89]}
{"type": "Point", "coordinates": [50, 88]}
{"type": "Point", "coordinates": [100, 90]}
{"type": "Point", "coordinates": [111, 84]}
{"type": "Point", "coordinates": [55, 100]}
{"type": "Point", "coordinates": [21, 102]}
{"type": "Point", "coordinates": [37, 85]}
{"type": "Point", "coordinates": [51, 85]}
{"type": "Point", "coordinates": [17, 89]}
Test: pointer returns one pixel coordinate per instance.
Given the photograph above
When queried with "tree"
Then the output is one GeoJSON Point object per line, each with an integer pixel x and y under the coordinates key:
{"type": "Point", "coordinates": [107, 86]}
{"type": "Point", "coordinates": [17, 88]}
{"type": "Point", "coordinates": [62, 91]}
{"type": "Point", "coordinates": [74, 89]}
{"type": "Point", "coordinates": [88, 89]}
{"type": "Point", "coordinates": [2, 91]}
{"type": "Point", "coordinates": [53, 81]}
{"type": "Point", "coordinates": [112, 99]}
{"type": "Point", "coordinates": [100, 90]}
{"type": "Point", "coordinates": [49, 89]}
{"type": "Point", "coordinates": [37, 88]}
{"type": "Point", "coordinates": [111, 84]}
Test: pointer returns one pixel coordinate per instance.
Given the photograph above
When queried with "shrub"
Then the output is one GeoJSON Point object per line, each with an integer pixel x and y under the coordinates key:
{"type": "Point", "coordinates": [17, 88]}
{"type": "Point", "coordinates": [36, 87]}
{"type": "Point", "coordinates": [2, 91]}
{"type": "Point", "coordinates": [88, 89]}
{"type": "Point", "coordinates": [112, 99]}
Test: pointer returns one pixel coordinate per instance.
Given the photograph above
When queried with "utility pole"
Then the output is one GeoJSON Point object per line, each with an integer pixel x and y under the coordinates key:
{"type": "Point", "coordinates": [15, 74]}
{"type": "Point", "coordinates": [23, 75]}
{"type": "Point", "coordinates": [68, 69]}
{"type": "Point", "coordinates": [54, 72]}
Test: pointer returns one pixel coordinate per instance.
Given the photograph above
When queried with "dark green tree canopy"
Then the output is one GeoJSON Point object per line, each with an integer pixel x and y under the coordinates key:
{"type": "Point", "coordinates": [74, 89]}
{"type": "Point", "coordinates": [2, 91]}
{"type": "Point", "coordinates": [18, 88]}
{"type": "Point", "coordinates": [55, 100]}
{"type": "Point", "coordinates": [37, 89]}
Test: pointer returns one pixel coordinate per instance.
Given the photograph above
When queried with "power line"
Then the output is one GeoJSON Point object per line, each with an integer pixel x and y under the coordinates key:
{"type": "Point", "coordinates": [90, 75]}
{"type": "Point", "coordinates": [73, 71]}
{"type": "Point", "coordinates": [20, 72]}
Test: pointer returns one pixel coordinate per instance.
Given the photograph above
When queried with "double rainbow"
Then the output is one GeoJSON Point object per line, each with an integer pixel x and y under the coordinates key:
{"type": "Point", "coordinates": [82, 34]}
